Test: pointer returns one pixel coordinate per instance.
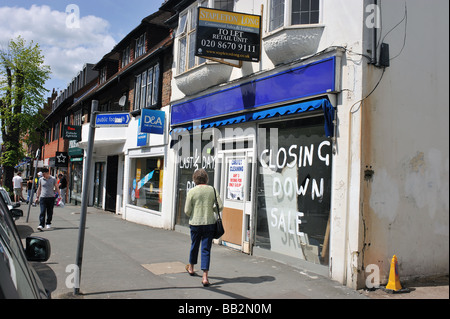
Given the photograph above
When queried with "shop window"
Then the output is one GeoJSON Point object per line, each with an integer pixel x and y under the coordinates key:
{"type": "Point", "coordinates": [76, 181]}
{"type": "Point", "coordinates": [194, 151]}
{"type": "Point", "coordinates": [146, 183]}
{"type": "Point", "coordinates": [293, 12]}
{"type": "Point", "coordinates": [294, 189]}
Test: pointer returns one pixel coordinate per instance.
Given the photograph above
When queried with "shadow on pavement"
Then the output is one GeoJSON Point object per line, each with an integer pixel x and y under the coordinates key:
{"type": "Point", "coordinates": [217, 285]}
{"type": "Point", "coordinates": [47, 275]}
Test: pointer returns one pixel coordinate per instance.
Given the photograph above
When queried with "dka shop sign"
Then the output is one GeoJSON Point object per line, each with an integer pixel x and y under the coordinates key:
{"type": "Point", "coordinates": [152, 121]}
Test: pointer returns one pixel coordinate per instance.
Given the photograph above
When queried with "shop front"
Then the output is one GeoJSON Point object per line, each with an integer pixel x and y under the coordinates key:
{"type": "Point", "coordinates": [76, 180]}
{"type": "Point", "coordinates": [267, 146]}
{"type": "Point", "coordinates": [146, 188]}
{"type": "Point", "coordinates": [75, 173]}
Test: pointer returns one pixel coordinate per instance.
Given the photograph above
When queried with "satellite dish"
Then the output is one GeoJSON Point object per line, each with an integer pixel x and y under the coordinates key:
{"type": "Point", "coordinates": [123, 100]}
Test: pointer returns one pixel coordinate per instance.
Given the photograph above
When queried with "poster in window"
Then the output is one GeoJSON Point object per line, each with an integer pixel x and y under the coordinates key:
{"type": "Point", "coordinates": [235, 183]}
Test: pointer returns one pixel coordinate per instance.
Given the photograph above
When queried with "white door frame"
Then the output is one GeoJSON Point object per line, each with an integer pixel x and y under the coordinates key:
{"type": "Point", "coordinates": [247, 154]}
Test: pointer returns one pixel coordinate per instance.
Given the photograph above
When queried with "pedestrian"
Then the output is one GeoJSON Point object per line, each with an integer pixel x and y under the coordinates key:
{"type": "Point", "coordinates": [36, 185]}
{"type": "Point", "coordinates": [46, 197]}
{"type": "Point", "coordinates": [17, 185]}
{"type": "Point", "coordinates": [30, 192]}
{"type": "Point", "coordinates": [62, 186]}
{"type": "Point", "coordinates": [199, 207]}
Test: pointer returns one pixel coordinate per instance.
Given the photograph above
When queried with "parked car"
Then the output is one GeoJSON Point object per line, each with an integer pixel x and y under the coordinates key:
{"type": "Point", "coordinates": [15, 212]}
{"type": "Point", "coordinates": [18, 279]}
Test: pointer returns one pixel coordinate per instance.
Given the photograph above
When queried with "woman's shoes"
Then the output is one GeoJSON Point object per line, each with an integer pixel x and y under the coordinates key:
{"type": "Point", "coordinates": [204, 283]}
{"type": "Point", "coordinates": [190, 273]}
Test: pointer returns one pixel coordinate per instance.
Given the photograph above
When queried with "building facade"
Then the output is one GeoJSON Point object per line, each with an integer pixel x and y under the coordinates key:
{"type": "Point", "coordinates": [134, 76]}
{"type": "Point", "coordinates": [330, 151]}
{"type": "Point", "coordinates": [295, 142]}
{"type": "Point", "coordinates": [57, 153]}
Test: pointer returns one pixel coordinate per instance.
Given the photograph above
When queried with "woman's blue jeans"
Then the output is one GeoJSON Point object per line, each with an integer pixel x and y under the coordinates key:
{"type": "Point", "coordinates": [201, 234]}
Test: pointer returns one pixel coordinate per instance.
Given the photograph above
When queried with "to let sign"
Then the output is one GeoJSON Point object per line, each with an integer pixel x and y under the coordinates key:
{"type": "Point", "coordinates": [228, 35]}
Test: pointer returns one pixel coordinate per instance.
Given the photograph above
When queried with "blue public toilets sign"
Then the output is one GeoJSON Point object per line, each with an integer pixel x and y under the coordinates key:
{"type": "Point", "coordinates": [152, 121]}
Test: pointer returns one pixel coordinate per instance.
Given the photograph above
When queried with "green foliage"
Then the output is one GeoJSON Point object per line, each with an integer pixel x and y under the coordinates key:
{"type": "Point", "coordinates": [22, 79]}
{"type": "Point", "coordinates": [12, 155]}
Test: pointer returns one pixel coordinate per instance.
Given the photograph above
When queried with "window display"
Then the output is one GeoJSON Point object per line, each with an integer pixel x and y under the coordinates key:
{"type": "Point", "coordinates": [294, 189]}
{"type": "Point", "coordinates": [146, 182]}
{"type": "Point", "coordinates": [192, 155]}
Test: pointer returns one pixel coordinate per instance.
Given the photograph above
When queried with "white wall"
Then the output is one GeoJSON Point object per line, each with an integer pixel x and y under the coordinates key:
{"type": "Point", "coordinates": [157, 146]}
{"type": "Point", "coordinates": [344, 28]}
{"type": "Point", "coordinates": [406, 204]}
{"type": "Point", "coordinates": [401, 132]}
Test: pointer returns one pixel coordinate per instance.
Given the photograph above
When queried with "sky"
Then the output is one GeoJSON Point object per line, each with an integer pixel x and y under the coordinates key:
{"type": "Point", "coordinates": [71, 32]}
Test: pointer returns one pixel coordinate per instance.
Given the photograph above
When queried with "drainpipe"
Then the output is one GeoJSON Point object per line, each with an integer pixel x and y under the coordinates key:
{"type": "Point", "coordinates": [375, 35]}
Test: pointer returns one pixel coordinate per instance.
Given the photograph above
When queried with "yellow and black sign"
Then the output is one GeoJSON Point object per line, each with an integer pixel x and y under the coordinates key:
{"type": "Point", "coordinates": [228, 35]}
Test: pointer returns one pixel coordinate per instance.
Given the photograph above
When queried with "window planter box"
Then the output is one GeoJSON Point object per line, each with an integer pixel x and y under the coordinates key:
{"type": "Point", "coordinates": [202, 77]}
{"type": "Point", "coordinates": [292, 43]}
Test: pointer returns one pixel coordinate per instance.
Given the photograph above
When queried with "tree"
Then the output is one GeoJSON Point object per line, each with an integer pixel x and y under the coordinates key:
{"type": "Point", "coordinates": [22, 78]}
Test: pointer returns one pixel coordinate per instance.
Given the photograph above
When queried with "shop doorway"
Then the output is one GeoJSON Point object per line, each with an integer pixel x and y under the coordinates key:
{"type": "Point", "coordinates": [98, 184]}
{"type": "Point", "coordinates": [236, 161]}
{"type": "Point", "coordinates": [76, 178]}
{"type": "Point", "coordinates": [111, 183]}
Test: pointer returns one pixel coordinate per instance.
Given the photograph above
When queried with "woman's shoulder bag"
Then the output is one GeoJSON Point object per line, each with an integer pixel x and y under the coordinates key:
{"type": "Point", "coordinates": [219, 226]}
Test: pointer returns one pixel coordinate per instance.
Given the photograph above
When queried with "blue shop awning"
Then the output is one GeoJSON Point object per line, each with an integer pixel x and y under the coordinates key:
{"type": "Point", "coordinates": [279, 111]}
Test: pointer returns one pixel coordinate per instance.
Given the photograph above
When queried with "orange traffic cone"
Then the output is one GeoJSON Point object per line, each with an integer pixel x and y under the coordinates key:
{"type": "Point", "coordinates": [394, 281]}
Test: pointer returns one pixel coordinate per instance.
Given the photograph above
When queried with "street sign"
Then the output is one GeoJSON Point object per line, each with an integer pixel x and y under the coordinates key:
{"type": "Point", "coordinates": [112, 119]}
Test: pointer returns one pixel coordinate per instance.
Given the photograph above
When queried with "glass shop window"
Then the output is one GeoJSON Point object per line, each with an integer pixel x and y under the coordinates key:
{"type": "Point", "coordinates": [294, 189]}
{"type": "Point", "coordinates": [146, 183]}
{"type": "Point", "coordinates": [194, 151]}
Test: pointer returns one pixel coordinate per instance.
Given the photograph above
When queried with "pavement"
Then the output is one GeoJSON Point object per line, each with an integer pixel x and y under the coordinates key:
{"type": "Point", "coordinates": [124, 260]}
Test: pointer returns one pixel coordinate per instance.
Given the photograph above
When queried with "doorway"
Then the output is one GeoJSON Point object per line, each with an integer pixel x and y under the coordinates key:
{"type": "Point", "coordinates": [111, 183]}
{"type": "Point", "coordinates": [98, 184]}
{"type": "Point", "coordinates": [236, 166]}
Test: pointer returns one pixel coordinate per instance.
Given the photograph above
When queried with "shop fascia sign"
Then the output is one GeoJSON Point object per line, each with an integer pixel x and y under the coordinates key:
{"type": "Point", "coordinates": [60, 160]}
{"type": "Point", "coordinates": [152, 121]}
{"type": "Point", "coordinates": [228, 35]}
{"type": "Point", "coordinates": [72, 132]}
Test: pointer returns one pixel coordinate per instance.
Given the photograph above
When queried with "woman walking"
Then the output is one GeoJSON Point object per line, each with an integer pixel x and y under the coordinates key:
{"type": "Point", "coordinates": [199, 207]}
